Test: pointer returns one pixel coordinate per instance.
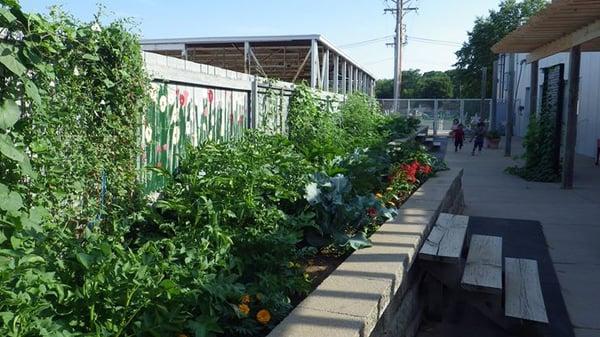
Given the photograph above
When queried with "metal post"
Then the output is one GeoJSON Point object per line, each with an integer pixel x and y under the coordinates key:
{"type": "Point", "coordinates": [247, 57]}
{"type": "Point", "coordinates": [314, 63]}
{"type": "Point", "coordinates": [533, 88]}
{"type": "Point", "coordinates": [511, 105]}
{"type": "Point", "coordinates": [571, 133]}
{"type": "Point", "coordinates": [351, 80]}
{"type": "Point", "coordinates": [435, 117]}
{"type": "Point", "coordinates": [462, 112]}
{"type": "Point", "coordinates": [408, 108]}
{"type": "Point", "coordinates": [483, 92]}
{"type": "Point", "coordinates": [344, 77]}
{"type": "Point", "coordinates": [336, 74]}
{"type": "Point", "coordinates": [493, 108]}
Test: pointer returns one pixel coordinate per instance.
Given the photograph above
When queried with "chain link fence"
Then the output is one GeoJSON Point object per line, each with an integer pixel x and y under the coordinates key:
{"type": "Point", "coordinates": [439, 114]}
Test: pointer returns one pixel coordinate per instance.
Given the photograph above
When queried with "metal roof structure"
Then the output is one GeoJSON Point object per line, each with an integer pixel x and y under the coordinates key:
{"type": "Point", "coordinates": [290, 58]}
{"type": "Point", "coordinates": [562, 25]}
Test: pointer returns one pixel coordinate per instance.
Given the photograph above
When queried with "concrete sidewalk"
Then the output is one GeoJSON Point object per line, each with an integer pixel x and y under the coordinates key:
{"type": "Point", "coordinates": [570, 219]}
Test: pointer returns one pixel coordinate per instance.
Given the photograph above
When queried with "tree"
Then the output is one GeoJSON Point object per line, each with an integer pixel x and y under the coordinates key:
{"type": "Point", "coordinates": [434, 84]}
{"type": "Point", "coordinates": [384, 89]}
{"type": "Point", "coordinates": [476, 53]}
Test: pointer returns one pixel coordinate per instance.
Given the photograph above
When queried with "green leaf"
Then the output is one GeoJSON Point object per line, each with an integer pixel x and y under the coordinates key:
{"type": "Point", "coordinates": [2, 237]}
{"type": "Point", "coordinates": [12, 203]}
{"type": "Point", "coordinates": [32, 92]}
{"type": "Point", "coordinates": [8, 149]}
{"type": "Point", "coordinates": [109, 84]}
{"type": "Point", "coordinates": [85, 259]}
{"type": "Point", "coordinates": [8, 59]}
{"type": "Point", "coordinates": [10, 18]}
{"type": "Point", "coordinates": [28, 259]}
{"type": "Point", "coordinates": [6, 316]}
{"type": "Point", "coordinates": [26, 168]}
{"type": "Point", "coordinates": [9, 114]}
{"type": "Point", "coordinates": [90, 57]}
{"type": "Point", "coordinates": [359, 241]}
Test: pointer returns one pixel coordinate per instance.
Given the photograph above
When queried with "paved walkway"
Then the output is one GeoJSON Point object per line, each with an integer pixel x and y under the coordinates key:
{"type": "Point", "coordinates": [570, 219]}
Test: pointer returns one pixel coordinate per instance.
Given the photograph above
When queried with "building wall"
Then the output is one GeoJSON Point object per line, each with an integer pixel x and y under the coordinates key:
{"type": "Point", "coordinates": [588, 122]}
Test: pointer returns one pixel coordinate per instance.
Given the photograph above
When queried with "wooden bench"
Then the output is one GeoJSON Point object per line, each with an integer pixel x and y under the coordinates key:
{"type": "Point", "coordinates": [446, 239]}
{"type": "Point", "coordinates": [483, 269]}
{"type": "Point", "coordinates": [523, 295]}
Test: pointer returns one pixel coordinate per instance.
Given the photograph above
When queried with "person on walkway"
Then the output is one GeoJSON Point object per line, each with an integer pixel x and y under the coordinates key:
{"type": "Point", "coordinates": [478, 136]}
{"type": "Point", "coordinates": [459, 137]}
{"type": "Point", "coordinates": [455, 123]}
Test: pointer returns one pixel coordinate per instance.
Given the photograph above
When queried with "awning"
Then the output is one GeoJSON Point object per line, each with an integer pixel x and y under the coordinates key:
{"type": "Point", "coordinates": [562, 25]}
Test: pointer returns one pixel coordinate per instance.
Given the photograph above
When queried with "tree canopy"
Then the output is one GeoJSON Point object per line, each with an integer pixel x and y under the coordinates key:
{"type": "Point", "coordinates": [476, 54]}
{"type": "Point", "coordinates": [433, 84]}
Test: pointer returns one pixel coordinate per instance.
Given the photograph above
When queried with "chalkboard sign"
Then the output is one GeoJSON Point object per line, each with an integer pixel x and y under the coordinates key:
{"type": "Point", "coordinates": [552, 104]}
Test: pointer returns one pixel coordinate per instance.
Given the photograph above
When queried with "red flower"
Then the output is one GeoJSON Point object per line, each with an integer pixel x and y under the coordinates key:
{"type": "Point", "coordinates": [211, 96]}
{"type": "Point", "coordinates": [183, 98]}
{"type": "Point", "coordinates": [425, 169]}
{"type": "Point", "coordinates": [372, 212]}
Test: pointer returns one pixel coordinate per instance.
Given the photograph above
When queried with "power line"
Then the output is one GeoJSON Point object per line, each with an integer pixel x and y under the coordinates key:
{"type": "Point", "coordinates": [390, 37]}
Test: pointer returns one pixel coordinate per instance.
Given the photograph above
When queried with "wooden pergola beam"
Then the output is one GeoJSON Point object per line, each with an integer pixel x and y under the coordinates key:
{"type": "Point", "coordinates": [576, 38]}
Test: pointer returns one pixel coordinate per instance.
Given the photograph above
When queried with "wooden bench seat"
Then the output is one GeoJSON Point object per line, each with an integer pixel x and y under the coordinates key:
{"type": "Point", "coordinates": [483, 269]}
{"type": "Point", "coordinates": [523, 293]}
{"type": "Point", "coordinates": [446, 239]}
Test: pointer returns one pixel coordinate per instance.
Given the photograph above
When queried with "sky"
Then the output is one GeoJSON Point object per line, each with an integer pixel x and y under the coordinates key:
{"type": "Point", "coordinates": [346, 23]}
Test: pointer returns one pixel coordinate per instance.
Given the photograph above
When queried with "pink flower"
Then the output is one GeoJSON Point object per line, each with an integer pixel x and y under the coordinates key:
{"type": "Point", "coordinates": [241, 120]}
{"type": "Point", "coordinates": [165, 147]}
{"type": "Point", "coordinates": [183, 98]}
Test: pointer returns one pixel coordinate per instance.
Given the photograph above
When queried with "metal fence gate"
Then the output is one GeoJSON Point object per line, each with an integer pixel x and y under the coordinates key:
{"type": "Point", "coordinates": [438, 114]}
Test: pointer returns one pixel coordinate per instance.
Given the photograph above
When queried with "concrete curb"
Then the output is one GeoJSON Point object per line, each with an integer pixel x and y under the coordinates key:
{"type": "Point", "coordinates": [375, 292]}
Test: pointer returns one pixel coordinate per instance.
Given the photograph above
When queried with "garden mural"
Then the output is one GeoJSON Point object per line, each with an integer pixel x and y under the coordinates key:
{"type": "Point", "coordinates": [180, 115]}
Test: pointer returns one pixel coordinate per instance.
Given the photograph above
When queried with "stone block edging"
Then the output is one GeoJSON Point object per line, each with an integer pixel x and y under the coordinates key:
{"type": "Point", "coordinates": [375, 292]}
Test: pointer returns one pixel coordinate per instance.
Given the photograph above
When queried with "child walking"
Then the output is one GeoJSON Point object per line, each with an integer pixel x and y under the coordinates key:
{"type": "Point", "coordinates": [478, 136]}
{"type": "Point", "coordinates": [459, 137]}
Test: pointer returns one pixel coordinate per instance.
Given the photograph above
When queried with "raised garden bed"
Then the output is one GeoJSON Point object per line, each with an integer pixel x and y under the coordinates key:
{"type": "Point", "coordinates": [374, 292]}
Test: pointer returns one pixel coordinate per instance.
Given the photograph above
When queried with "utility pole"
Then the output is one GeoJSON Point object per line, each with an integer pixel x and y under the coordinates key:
{"type": "Point", "coordinates": [398, 43]}
{"type": "Point", "coordinates": [510, 104]}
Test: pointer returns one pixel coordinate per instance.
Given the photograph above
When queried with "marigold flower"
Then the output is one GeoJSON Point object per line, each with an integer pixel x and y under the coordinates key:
{"type": "Point", "coordinates": [379, 195]}
{"type": "Point", "coordinates": [389, 189]}
{"type": "Point", "coordinates": [263, 316]}
{"type": "Point", "coordinates": [244, 309]}
{"type": "Point", "coordinates": [245, 299]}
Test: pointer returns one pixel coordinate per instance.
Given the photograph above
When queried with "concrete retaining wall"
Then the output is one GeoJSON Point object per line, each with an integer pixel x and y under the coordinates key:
{"type": "Point", "coordinates": [376, 292]}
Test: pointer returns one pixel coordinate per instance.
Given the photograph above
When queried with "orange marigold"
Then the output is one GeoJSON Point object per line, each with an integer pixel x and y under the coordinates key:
{"type": "Point", "coordinates": [244, 309]}
{"type": "Point", "coordinates": [245, 299]}
{"type": "Point", "coordinates": [263, 316]}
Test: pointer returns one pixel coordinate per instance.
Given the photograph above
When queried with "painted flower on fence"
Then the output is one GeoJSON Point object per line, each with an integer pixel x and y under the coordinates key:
{"type": "Point", "coordinates": [210, 96]}
{"type": "Point", "coordinates": [183, 98]}
{"type": "Point", "coordinates": [148, 134]}
{"type": "Point", "coordinates": [162, 103]}
{"type": "Point", "coordinates": [176, 135]}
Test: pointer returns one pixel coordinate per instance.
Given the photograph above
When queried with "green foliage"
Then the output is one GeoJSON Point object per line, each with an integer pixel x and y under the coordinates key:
{"type": "Point", "coordinates": [540, 150]}
{"type": "Point", "coordinates": [476, 52]}
{"type": "Point", "coordinates": [313, 129]}
{"type": "Point", "coordinates": [341, 214]}
{"type": "Point", "coordinates": [434, 84]}
{"type": "Point", "coordinates": [223, 240]}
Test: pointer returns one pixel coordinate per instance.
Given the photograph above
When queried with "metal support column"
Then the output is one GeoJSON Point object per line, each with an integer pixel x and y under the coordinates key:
{"type": "Point", "coordinates": [247, 57]}
{"type": "Point", "coordinates": [571, 133]}
{"type": "Point", "coordinates": [510, 114]}
{"type": "Point", "coordinates": [493, 108]}
{"type": "Point", "coordinates": [314, 64]}
{"type": "Point", "coordinates": [435, 117]}
{"type": "Point", "coordinates": [336, 74]}
{"type": "Point", "coordinates": [344, 77]}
